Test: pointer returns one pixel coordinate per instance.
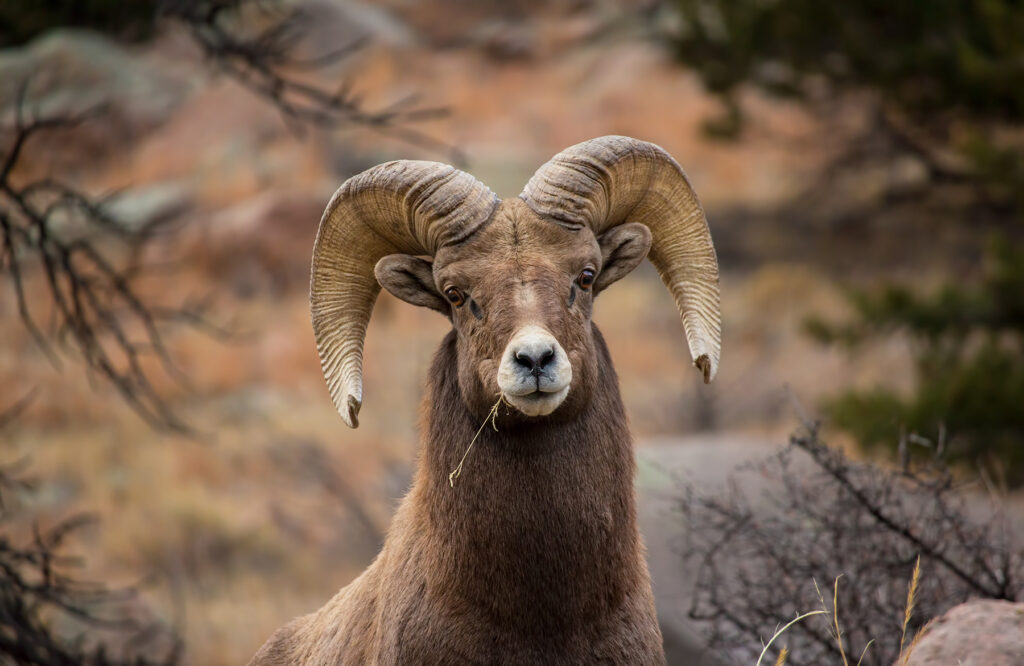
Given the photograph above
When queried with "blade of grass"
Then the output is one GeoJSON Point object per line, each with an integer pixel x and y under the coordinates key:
{"type": "Point", "coordinates": [783, 629]}
{"type": "Point", "coordinates": [835, 619]}
{"type": "Point", "coordinates": [865, 651]}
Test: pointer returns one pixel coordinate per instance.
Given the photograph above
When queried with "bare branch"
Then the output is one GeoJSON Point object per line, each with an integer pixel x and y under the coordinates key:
{"type": "Point", "coordinates": [266, 64]}
{"type": "Point", "coordinates": [50, 225]}
{"type": "Point", "coordinates": [37, 587]}
{"type": "Point", "coordinates": [826, 517]}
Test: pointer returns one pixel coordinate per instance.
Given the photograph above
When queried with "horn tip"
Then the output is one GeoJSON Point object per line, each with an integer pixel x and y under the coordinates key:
{"type": "Point", "coordinates": [351, 412]}
{"type": "Point", "coordinates": [703, 363]}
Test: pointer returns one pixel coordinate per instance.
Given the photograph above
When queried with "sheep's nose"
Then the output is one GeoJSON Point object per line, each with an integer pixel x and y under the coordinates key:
{"type": "Point", "coordinates": [535, 360]}
{"type": "Point", "coordinates": [535, 373]}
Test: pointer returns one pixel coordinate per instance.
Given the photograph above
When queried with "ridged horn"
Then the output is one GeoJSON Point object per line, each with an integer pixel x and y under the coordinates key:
{"type": "Point", "coordinates": [406, 206]}
{"type": "Point", "coordinates": [615, 179]}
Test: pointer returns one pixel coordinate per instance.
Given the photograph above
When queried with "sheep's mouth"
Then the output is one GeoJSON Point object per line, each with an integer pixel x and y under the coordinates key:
{"type": "Point", "coordinates": [538, 402]}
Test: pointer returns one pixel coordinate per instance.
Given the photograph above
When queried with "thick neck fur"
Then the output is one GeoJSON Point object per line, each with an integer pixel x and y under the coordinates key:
{"type": "Point", "coordinates": [539, 533]}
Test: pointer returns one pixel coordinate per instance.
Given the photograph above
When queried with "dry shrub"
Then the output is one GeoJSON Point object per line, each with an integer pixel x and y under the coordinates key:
{"type": "Point", "coordinates": [48, 615]}
{"type": "Point", "coordinates": [829, 518]}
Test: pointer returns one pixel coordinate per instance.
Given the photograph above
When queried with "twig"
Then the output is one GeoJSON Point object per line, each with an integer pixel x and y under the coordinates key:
{"type": "Point", "coordinates": [94, 301]}
{"type": "Point", "coordinates": [265, 63]}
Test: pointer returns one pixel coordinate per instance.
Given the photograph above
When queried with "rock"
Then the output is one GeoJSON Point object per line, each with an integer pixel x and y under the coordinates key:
{"type": "Point", "coordinates": [144, 208]}
{"type": "Point", "coordinates": [70, 71]}
{"type": "Point", "coordinates": [332, 24]}
{"type": "Point", "coordinates": [150, 205]}
{"type": "Point", "coordinates": [505, 39]}
{"type": "Point", "coordinates": [976, 633]}
{"type": "Point", "coordinates": [707, 460]}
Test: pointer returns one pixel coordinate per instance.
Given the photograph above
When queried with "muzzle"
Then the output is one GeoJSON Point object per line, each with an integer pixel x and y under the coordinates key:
{"type": "Point", "coordinates": [535, 373]}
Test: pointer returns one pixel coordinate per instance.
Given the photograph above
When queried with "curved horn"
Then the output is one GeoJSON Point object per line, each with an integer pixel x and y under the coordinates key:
{"type": "Point", "coordinates": [405, 206]}
{"type": "Point", "coordinates": [614, 179]}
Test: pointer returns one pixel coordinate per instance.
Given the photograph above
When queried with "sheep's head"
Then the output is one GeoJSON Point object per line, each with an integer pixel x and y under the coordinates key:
{"type": "Point", "coordinates": [517, 277]}
{"type": "Point", "coordinates": [519, 292]}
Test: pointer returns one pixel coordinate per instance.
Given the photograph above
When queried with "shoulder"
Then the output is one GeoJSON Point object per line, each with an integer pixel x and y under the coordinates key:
{"type": "Point", "coordinates": [279, 648]}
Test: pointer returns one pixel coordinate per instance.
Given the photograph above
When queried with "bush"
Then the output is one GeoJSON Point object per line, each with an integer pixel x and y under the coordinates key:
{"type": "Point", "coordinates": [922, 56]}
{"type": "Point", "coordinates": [831, 521]}
{"type": "Point", "coordinates": [48, 616]}
{"type": "Point", "coordinates": [969, 343]}
{"type": "Point", "coordinates": [947, 75]}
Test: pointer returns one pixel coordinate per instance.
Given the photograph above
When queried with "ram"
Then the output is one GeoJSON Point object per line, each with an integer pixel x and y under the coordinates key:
{"type": "Point", "coordinates": [533, 556]}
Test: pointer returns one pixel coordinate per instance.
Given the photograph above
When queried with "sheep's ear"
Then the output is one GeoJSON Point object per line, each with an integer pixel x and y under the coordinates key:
{"type": "Point", "coordinates": [623, 247]}
{"type": "Point", "coordinates": [410, 279]}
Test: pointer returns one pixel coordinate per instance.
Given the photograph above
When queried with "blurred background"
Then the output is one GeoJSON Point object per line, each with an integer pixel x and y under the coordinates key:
{"type": "Point", "coordinates": [165, 166]}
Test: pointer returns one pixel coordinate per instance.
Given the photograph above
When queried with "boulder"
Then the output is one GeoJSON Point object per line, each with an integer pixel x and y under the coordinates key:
{"type": "Point", "coordinates": [332, 24]}
{"type": "Point", "coordinates": [982, 632]}
{"type": "Point", "coordinates": [976, 633]}
{"type": "Point", "coordinates": [67, 71]}
{"type": "Point", "coordinates": [663, 463]}
{"type": "Point", "coordinates": [150, 205]}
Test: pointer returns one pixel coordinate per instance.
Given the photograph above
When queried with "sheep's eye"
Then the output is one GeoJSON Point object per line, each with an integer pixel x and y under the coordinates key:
{"type": "Point", "coordinates": [586, 278]}
{"type": "Point", "coordinates": [454, 296]}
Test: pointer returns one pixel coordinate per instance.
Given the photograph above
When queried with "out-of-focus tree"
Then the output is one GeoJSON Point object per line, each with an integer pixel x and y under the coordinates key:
{"type": "Point", "coordinates": [944, 80]}
{"type": "Point", "coordinates": [21, 20]}
{"type": "Point", "coordinates": [51, 229]}
{"type": "Point", "coordinates": [969, 347]}
{"type": "Point", "coordinates": [48, 227]}
{"type": "Point", "coordinates": [946, 76]}
{"type": "Point", "coordinates": [256, 42]}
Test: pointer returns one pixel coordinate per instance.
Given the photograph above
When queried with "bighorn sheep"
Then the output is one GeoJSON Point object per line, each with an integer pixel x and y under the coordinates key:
{"type": "Point", "coordinates": [533, 557]}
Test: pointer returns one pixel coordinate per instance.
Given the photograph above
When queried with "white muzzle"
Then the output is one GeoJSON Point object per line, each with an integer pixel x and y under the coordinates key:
{"type": "Point", "coordinates": [535, 372]}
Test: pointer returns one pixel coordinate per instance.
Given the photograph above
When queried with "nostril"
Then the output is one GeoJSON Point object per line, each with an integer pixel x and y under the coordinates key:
{"type": "Point", "coordinates": [535, 363]}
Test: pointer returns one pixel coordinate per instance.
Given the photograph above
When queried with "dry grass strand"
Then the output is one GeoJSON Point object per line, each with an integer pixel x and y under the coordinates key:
{"type": "Point", "coordinates": [778, 633]}
{"type": "Point", "coordinates": [492, 417]}
{"type": "Point", "coordinates": [905, 657]}
{"type": "Point", "coordinates": [865, 651]}
{"type": "Point", "coordinates": [835, 619]}
{"type": "Point", "coordinates": [911, 602]}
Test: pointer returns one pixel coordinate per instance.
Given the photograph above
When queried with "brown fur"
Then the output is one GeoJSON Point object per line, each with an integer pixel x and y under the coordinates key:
{"type": "Point", "coordinates": [534, 556]}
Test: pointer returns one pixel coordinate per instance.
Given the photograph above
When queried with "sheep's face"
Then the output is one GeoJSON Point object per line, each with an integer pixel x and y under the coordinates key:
{"type": "Point", "coordinates": [520, 294]}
